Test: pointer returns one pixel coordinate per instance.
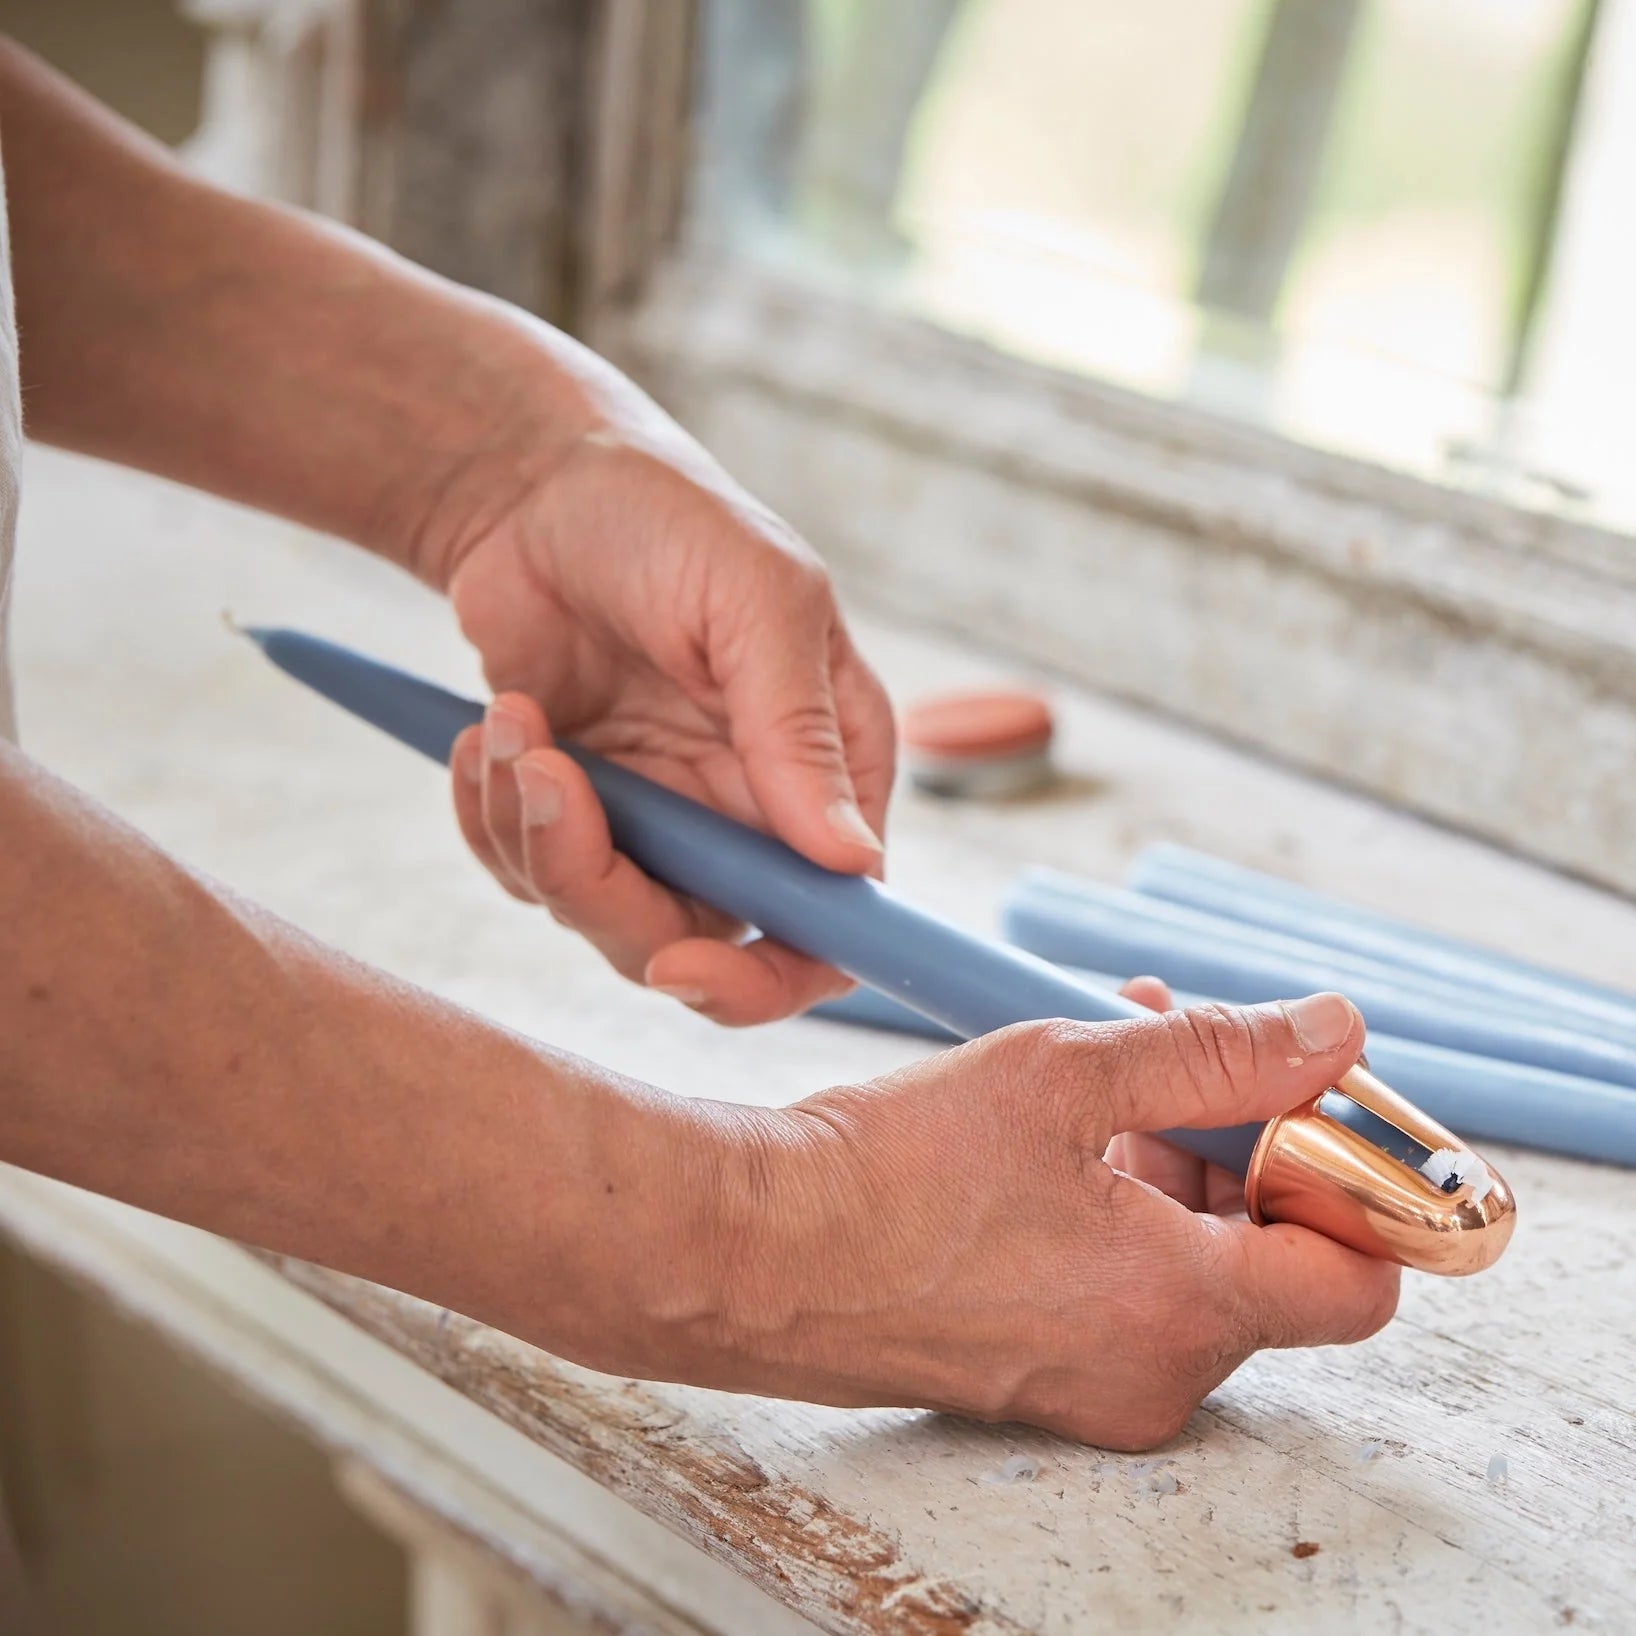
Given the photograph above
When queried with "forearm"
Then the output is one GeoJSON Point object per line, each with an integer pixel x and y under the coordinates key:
{"type": "Point", "coordinates": [263, 353]}
{"type": "Point", "coordinates": [171, 1046]}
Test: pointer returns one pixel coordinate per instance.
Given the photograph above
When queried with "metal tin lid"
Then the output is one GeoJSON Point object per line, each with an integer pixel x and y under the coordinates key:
{"type": "Point", "coordinates": [990, 742]}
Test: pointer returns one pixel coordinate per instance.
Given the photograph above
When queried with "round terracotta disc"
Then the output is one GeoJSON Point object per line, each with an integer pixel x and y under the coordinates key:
{"type": "Point", "coordinates": [978, 726]}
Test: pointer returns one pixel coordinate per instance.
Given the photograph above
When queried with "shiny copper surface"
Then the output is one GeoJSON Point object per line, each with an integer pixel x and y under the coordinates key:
{"type": "Point", "coordinates": [1312, 1170]}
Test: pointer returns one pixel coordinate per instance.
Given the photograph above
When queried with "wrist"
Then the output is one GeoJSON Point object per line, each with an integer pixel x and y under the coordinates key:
{"type": "Point", "coordinates": [521, 404]}
{"type": "Point", "coordinates": [741, 1231]}
{"type": "Point", "coordinates": [641, 1255]}
{"type": "Point", "coordinates": [505, 417]}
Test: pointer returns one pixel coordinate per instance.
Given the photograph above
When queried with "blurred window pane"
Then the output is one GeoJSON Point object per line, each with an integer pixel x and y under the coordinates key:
{"type": "Point", "coordinates": [1334, 216]}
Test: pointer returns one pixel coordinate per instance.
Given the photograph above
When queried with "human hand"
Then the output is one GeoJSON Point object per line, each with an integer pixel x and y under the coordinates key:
{"type": "Point", "coordinates": [952, 1237]}
{"type": "Point", "coordinates": [636, 599]}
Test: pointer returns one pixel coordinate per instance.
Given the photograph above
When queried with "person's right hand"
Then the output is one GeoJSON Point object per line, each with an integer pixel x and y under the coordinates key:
{"type": "Point", "coordinates": [951, 1237]}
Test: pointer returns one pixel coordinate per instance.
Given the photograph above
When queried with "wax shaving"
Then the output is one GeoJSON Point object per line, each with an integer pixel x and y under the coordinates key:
{"type": "Point", "coordinates": [1150, 1477]}
{"type": "Point", "coordinates": [1451, 1168]}
{"type": "Point", "coordinates": [1499, 1470]}
{"type": "Point", "coordinates": [1020, 1468]}
{"type": "Point", "coordinates": [1367, 1453]}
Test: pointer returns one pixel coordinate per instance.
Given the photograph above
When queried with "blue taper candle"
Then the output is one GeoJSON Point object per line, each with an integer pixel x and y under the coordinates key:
{"type": "Point", "coordinates": [1196, 879]}
{"type": "Point", "coordinates": [1083, 923]}
{"type": "Point", "coordinates": [969, 984]}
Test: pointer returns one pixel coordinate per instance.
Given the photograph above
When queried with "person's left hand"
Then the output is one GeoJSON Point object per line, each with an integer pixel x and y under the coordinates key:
{"type": "Point", "coordinates": [637, 600]}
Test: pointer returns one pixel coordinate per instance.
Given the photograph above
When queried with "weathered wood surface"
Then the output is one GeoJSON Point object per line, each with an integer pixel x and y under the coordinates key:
{"type": "Point", "coordinates": [536, 149]}
{"type": "Point", "coordinates": [639, 148]}
{"type": "Point", "coordinates": [890, 1521]}
{"type": "Point", "coordinates": [471, 127]}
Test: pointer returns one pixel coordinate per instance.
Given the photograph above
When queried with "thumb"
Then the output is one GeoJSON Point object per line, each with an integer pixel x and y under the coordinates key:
{"type": "Point", "coordinates": [781, 705]}
{"type": "Point", "coordinates": [1223, 1065]}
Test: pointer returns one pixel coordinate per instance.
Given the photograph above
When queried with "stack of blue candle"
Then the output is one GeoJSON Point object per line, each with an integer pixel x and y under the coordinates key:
{"type": "Point", "coordinates": [1490, 1045]}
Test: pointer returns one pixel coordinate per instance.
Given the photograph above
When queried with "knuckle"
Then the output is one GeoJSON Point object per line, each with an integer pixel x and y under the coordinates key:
{"type": "Point", "coordinates": [1208, 1333]}
{"type": "Point", "coordinates": [1041, 1402]}
{"type": "Point", "coordinates": [810, 731]}
{"type": "Point", "coordinates": [787, 576]}
{"type": "Point", "coordinates": [1216, 1046]}
{"type": "Point", "coordinates": [1246, 1323]}
{"type": "Point", "coordinates": [809, 582]}
{"type": "Point", "coordinates": [1000, 1397]}
{"type": "Point", "coordinates": [1051, 1064]}
{"type": "Point", "coordinates": [1209, 1347]}
{"type": "Point", "coordinates": [1057, 1049]}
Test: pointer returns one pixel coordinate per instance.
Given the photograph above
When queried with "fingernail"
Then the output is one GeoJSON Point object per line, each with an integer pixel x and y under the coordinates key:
{"type": "Point", "coordinates": [541, 794]}
{"type": "Point", "coordinates": [1321, 1022]}
{"type": "Point", "coordinates": [468, 763]}
{"type": "Point", "coordinates": [687, 996]}
{"type": "Point", "coordinates": [504, 735]}
{"type": "Point", "coordinates": [851, 825]}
